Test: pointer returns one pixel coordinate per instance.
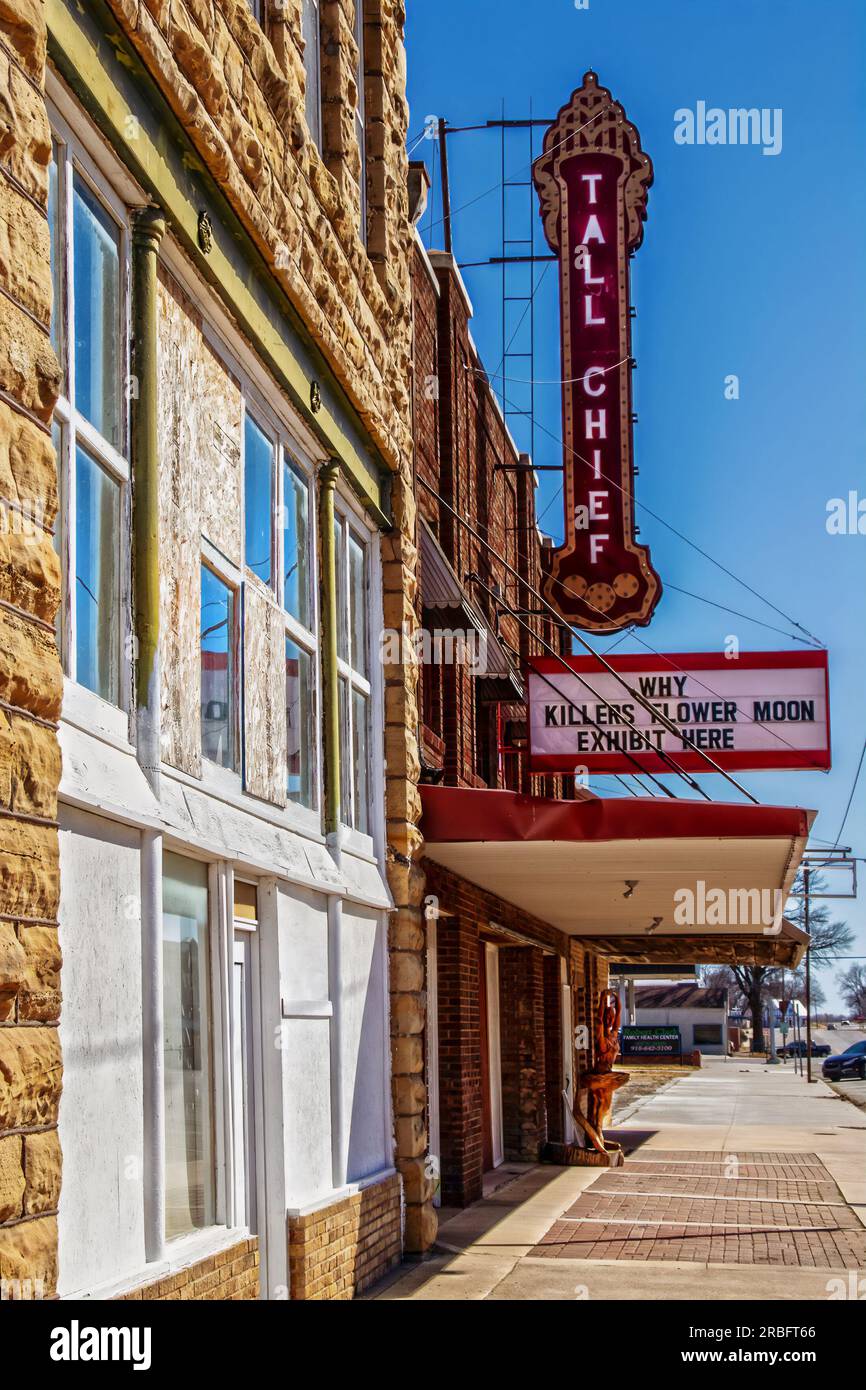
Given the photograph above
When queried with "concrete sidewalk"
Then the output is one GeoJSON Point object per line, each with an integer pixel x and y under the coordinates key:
{"type": "Point", "coordinates": [780, 1226]}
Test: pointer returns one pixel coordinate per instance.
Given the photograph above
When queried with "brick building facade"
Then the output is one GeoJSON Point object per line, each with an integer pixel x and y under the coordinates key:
{"type": "Point", "coordinates": [205, 341]}
{"type": "Point", "coordinates": [505, 989]}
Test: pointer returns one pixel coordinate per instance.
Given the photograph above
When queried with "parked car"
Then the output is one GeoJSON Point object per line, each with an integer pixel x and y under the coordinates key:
{"type": "Point", "coordinates": [797, 1048]}
{"type": "Point", "coordinates": [846, 1023]}
{"type": "Point", "coordinates": [850, 1063]}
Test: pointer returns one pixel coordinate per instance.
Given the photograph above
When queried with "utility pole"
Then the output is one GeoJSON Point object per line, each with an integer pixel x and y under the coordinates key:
{"type": "Point", "coordinates": [446, 194]}
{"type": "Point", "coordinates": [806, 875]}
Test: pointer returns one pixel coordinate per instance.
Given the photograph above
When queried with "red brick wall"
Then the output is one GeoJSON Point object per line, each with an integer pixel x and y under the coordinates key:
{"type": "Point", "coordinates": [553, 1043]}
{"type": "Point", "coordinates": [524, 1104]}
{"type": "Point", "coordinates": [461, 445]}
{"type": "Point", "coordinates": [459, 1059]}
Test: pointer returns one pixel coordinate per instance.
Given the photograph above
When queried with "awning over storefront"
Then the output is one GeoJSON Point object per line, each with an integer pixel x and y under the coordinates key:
{"type": "Point", "coordinates": [642, 879]}
{"type": "Point", "coordinates": [446, 601]}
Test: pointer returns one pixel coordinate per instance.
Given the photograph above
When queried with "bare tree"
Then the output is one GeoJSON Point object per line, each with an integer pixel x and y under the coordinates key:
{"type": "Point", "coordinates": [757, 984]}
{"type": "Point", "coordinates": [852, 987]}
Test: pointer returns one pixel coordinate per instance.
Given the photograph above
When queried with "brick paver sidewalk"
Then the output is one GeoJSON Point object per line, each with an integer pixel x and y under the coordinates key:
{"type": "Point", "coordinates": [760, 1208]}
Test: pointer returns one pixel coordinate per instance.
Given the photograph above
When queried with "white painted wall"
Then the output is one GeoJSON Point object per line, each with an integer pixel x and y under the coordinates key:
{"type": "Point", "coordinates": [366, 1105]}
{"type": "Point", "coordinates": [685, 1020]}
{"type": "Point", "coordinates": [101, 1231]}
{"type": "Point", "coordinates": [306, 1061]}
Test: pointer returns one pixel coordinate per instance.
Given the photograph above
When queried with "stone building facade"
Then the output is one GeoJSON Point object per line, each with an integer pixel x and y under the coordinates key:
{"type": "Point", "coordinates": [205, 252]}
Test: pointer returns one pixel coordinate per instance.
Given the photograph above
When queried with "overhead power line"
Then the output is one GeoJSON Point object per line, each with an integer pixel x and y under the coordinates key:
{"type": "Point", "coordinates": [658, 717]}
{"type": "Point", "coordinates": [851, 797]}
{"type": "Point", "coordinates": [679, 534]}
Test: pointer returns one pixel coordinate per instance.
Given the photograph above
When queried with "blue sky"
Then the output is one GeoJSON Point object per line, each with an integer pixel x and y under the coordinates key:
{"type": "Point", "coordinates": [751, 265]}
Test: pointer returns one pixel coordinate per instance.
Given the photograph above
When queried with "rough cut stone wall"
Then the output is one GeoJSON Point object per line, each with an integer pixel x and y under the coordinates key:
{"type": "Point", "coordinates": [238, 92]}
{"type": "Point", "coordinates": [30, 678]}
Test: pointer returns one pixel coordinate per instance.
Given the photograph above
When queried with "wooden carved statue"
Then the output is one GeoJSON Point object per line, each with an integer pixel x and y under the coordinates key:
{"type": "Point", "coordinates": [607, 1030]}
{"type": "Point", "coordinates": [601, 1082]}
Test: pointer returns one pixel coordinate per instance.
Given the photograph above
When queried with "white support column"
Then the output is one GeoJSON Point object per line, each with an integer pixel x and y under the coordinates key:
{"type": "Point", "coordinates": [632, 1007]}
{"type": "Point", "coordinates": [339, 1138]}
{"type": "Point", "coordinates": [153, 1045]}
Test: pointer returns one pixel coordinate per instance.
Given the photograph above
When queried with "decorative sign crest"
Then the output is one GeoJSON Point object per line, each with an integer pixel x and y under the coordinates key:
{"type": "Point", "coordinates": [592, 179]}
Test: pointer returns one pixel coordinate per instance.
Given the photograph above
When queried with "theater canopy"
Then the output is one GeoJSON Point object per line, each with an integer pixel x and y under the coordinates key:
{"type": "Point", "coordinates": [643, 879]}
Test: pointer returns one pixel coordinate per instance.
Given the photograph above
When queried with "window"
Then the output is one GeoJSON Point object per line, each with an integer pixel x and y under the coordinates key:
{"type": "Point", "coordinates": [354, 674]}
{"type": "Point", "coordinates": [88, 330]}
{"type": "Point", "coordinates": [279, 549]}
{"type": "Point", "coordinates": [218, 646]}
{"type": "Point", "coordinates": [312, 66]}
{"type": "Point", "coordinates": [245, 918]}
{"type": "Point", "coordinates": [708, 1034]}
{"type": "Point", "coordinates": [296, 542]}
{"type": "Point", "coordinates": [360, 117]}
{"type": "Point", "coordinates": [301, 645]}
{"type": "Point", "coordinates": [189, 1145]}
{"type": "Point", "coordinates": [258, 500]}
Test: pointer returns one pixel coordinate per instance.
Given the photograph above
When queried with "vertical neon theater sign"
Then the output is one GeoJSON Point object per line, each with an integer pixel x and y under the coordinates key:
{"type": "Point", "coordinates": [592, 179]}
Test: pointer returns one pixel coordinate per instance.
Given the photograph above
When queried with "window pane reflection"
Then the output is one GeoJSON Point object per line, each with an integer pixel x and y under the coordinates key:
{"type": "Point", "coordinates": [296, 544]}
{"type": "Point", "coordinates": [358, 604]}
{"type": "Point", "coordinates": [97, 578]}
{"type": "Point", "coordinates": [189, 1166]}
{"type": "Point", "coordinates": [258, 488]}
{"type": "Point", "coordinates": [300, 731]}
{"type": "Point", "coordinates": [96, 259]}
{"type": "Point", "coordinates": [217, 675]}
{"type": "Point", "coordinates": [360, 755]}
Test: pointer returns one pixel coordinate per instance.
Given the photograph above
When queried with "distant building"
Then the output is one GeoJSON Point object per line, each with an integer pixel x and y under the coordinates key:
{"type": "Point", "coordinates": [700, 1014]}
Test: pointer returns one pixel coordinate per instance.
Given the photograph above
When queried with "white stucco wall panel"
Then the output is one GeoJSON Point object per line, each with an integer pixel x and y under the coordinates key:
{"type": "Point", "coordinates": [364, 1041]}
{"type": "Point", "coordinates": [101, 1234]}
{"type": "Point", "coordinates": [305, 1046]}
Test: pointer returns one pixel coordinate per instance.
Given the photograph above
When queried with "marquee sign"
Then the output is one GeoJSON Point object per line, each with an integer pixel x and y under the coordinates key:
{"type": "Point", "coordinates": [592, 179]}
{"type": "Point", "coordinates": [762, 710]}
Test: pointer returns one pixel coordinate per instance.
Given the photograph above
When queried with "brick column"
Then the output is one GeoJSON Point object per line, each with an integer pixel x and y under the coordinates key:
{"type": "Point", "coordinates": [30, 680]}
{"type": "Point", "coordinates": [459, 1060]}
{"type": "Point", "coordinates": [521, 994]}
{"type": "Point", "coordinates": [553, 1042]}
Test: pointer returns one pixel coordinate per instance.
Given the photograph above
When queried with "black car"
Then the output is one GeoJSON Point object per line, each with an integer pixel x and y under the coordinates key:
{"type": "Point", "coordinates": [797, 1048]}
{"type": "Point", "coordinates": [850, 1063]}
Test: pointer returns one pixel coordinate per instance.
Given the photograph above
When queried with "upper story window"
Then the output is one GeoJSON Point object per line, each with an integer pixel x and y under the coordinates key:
{"type": "Point", "coordinates": [258, 499]}
{"type": "Point", "coordinates": [89, 250]}
{"type": "Point", "coordinates": [278, 543]}
{"type": "Point", "coordinates": [218, 645]}
{"type": "Point", "coordinates": [310, 33]}
{"type": "Point", "coordinates": [301, 645]}
{"type": "Point", "coordinates": [353, 664]}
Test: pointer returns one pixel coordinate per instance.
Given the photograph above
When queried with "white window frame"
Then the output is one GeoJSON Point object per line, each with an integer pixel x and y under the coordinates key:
{"type": "Point", "coordinates": [73, 153]}
{"type": "Point", "coordinates": [349, 517]}
{"type": "Point", "coordinates": [230, 1221]}
{"type": "Point", "coordinates": [304, 638]}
